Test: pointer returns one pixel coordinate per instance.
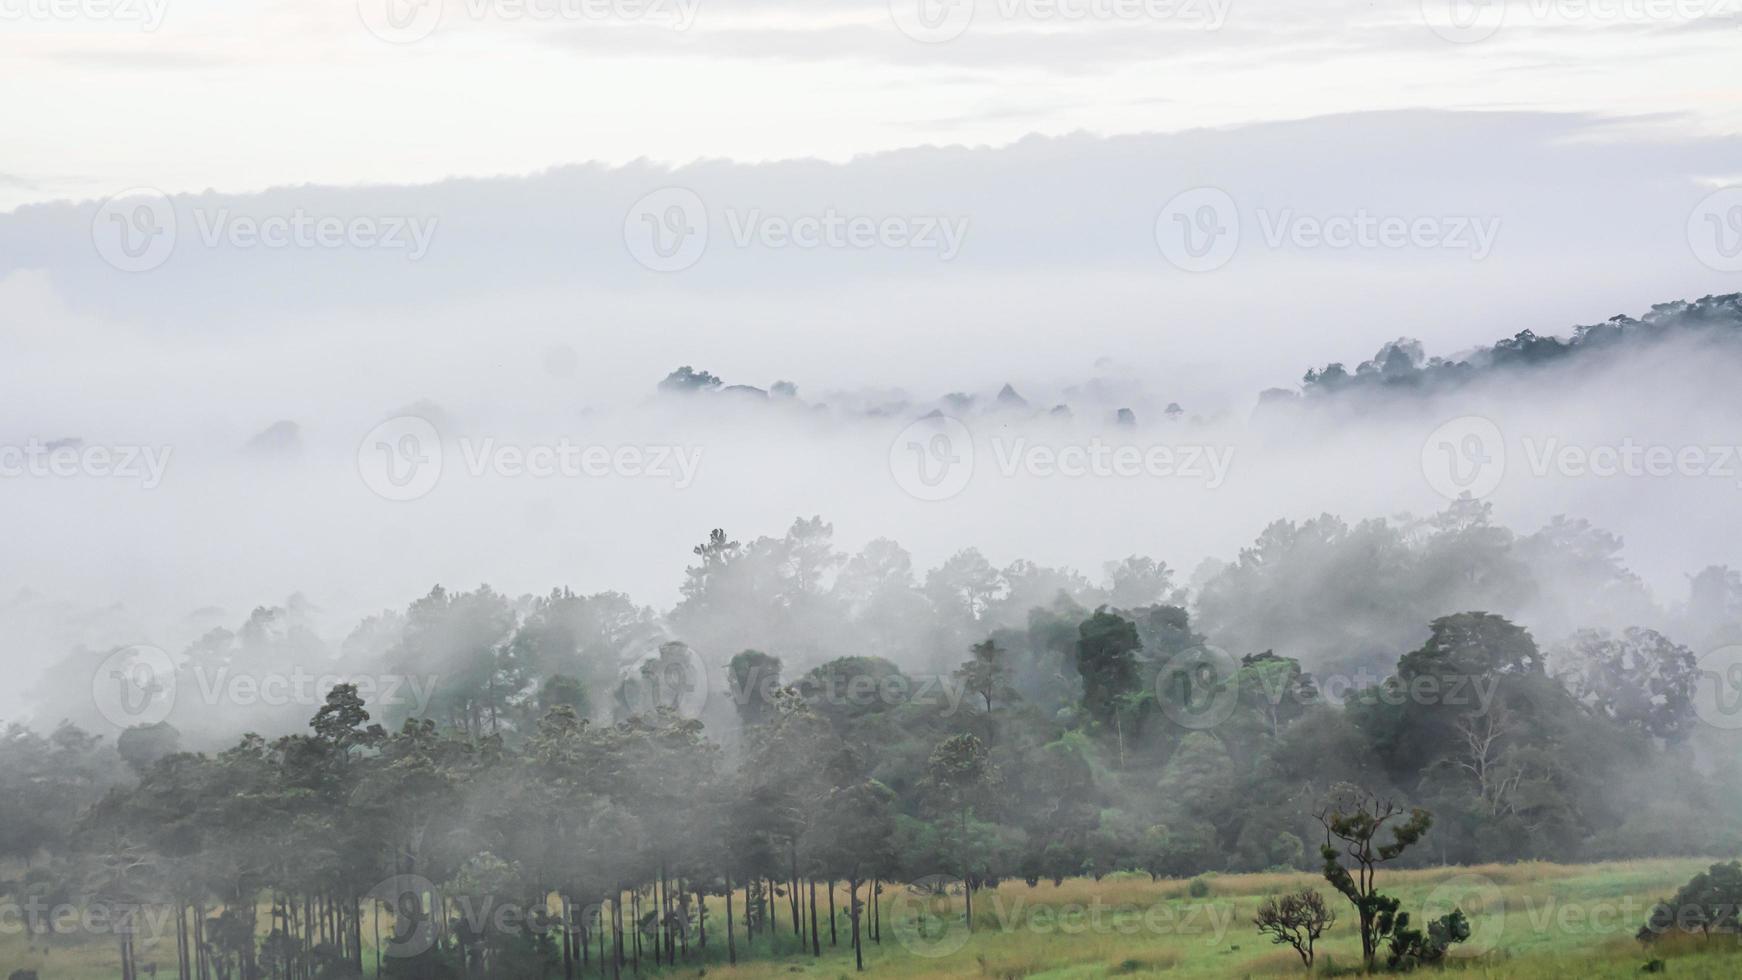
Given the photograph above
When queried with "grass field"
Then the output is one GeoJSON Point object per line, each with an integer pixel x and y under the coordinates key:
{"type": "Point", "coordinates": [1529, 920]}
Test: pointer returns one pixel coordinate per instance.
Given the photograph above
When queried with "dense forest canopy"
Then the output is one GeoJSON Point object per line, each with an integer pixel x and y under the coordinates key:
{"type": "Point", "coordinates": [1403, 365]}
{"type": "Point", "coordinates": [804, 715]}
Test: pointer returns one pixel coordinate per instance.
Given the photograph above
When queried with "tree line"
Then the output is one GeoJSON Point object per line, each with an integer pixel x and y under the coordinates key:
{"type": "Point", "coordinates": [565, 772]}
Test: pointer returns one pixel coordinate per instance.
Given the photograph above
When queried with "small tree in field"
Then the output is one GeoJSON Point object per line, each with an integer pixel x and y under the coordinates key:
{"type": "Point", "coordinates": [1353, 820]}
{"type": "Point", "coordinates": [1708, 903]}
{"type": "Point", "coordinates": [1298, 919]}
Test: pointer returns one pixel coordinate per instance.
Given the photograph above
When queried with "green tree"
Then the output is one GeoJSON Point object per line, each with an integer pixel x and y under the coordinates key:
{"type": "Point", "coordinates": [1353, 820]}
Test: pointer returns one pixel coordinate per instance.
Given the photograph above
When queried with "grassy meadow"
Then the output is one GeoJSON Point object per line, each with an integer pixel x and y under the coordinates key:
{"type": "Point", "coordinates": [1529, 920]}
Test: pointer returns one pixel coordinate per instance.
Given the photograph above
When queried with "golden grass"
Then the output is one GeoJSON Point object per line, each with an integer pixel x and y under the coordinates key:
{"type": "Point", "coordinates": [1022, 932]}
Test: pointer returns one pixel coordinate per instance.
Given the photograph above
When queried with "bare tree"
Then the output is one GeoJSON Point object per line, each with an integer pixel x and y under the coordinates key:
{"type": "Point", "coordinates": [1484, 758]}
{"type": "Point", "coordinates": [1298, 919]}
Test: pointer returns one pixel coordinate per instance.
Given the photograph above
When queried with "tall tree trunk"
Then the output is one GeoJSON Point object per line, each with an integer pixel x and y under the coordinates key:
{"type": "Point", "coordinates": [853, 910]}
{"type": "Point", "coordinates": [731, 940]}
{"type": "Point", "coordinates": [671, 918]}
{"type": "Point", "coordinates": [669, 915]}
{"type": "Point", "coordinates": [357, 934]}
{"type": "Point", "coordinates": [635, 923]}
{"type": "Point", "coordinates": [701, 919]}
{"type": "Point", "coordinates": [660, 924]}
{"type": "Point", "coordinates": [968, 873]}
{"type": "Point", "coordinates": [832, 915]}
{"type": "Point", "coordinates": [617, 933]}
{"type": "Point", "coordinates": [816, 938]}
{"type": "Point", "coordinates": [200, 940]}
{"type": "Point", "coordinates": [583, 935]}
{"type": "Point", "coordinates": [181, 941]}
{"type": "Point", "coordinates": [375, 916]}
{"type": "Point", "coordinates": [792, 887]}
{"type": "Point", "coordinates": [568, 940]}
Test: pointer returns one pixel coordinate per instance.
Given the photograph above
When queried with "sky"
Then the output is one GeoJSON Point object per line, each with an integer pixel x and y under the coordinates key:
{"type": "Point", "coordinates": [244, 95]}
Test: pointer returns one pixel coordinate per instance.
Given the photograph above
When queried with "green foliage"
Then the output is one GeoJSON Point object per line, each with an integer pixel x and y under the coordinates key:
{"type": "Point", "coordinates": [1107, 648]}
{"type": "Point", "coordinates": [1054, 759]}
{"type": "Point", "coordinates": [1355, 818]}
{"type": "Point", "coordinates": [1709, 903]}
{"type": "Point", "coordinates": [1410, 947]}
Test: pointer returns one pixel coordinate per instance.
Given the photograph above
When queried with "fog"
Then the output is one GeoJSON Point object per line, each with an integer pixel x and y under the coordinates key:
{"type": "Point", "coordinates": [252, 375]}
